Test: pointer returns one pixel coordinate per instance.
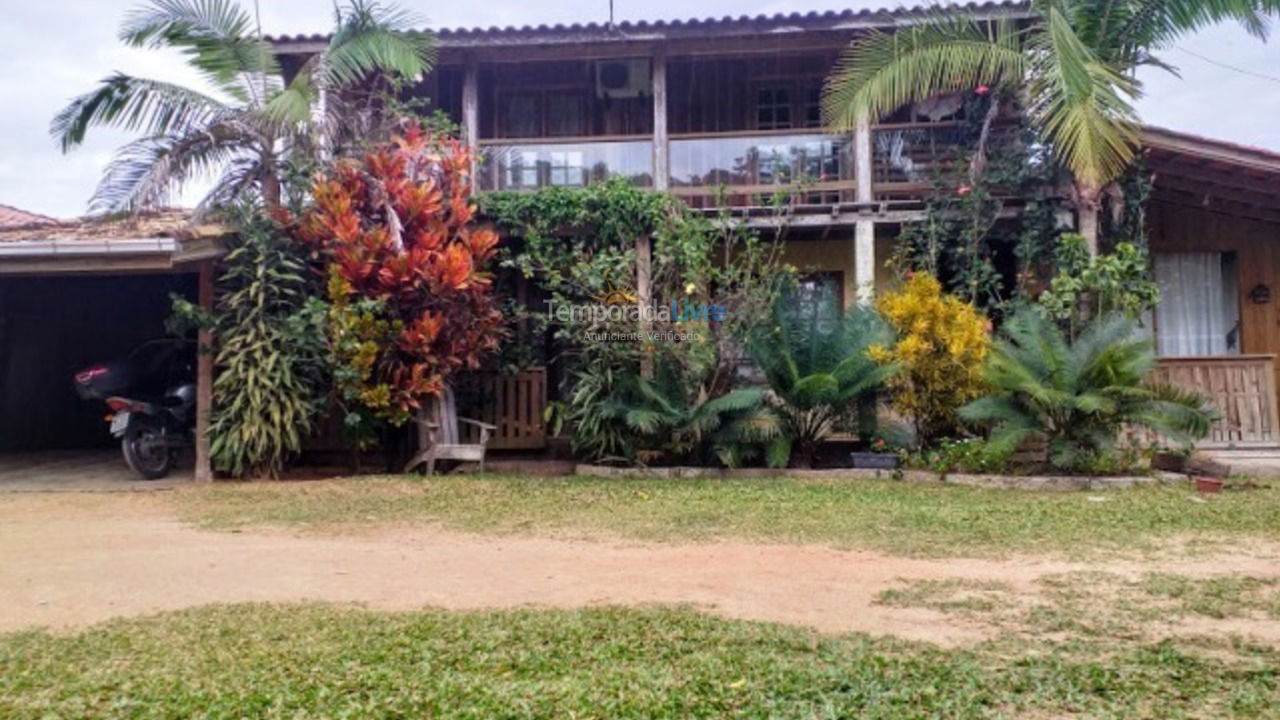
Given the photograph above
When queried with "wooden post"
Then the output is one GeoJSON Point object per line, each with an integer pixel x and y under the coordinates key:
{"type": "Point", "coordinates": [862, 156]}
{"type": "Point", "coordinates": [644, 295]}
{"type": "Point", "coordinates": [864, 260]}
{"type": "Point", "coordinates": [864, 238]}
{"type": "Point", "coordinates": [661, 140]}
{"type": "Point", "coordinates": [204, 378]}
{"type": "Point", "coordinates": [471, 113]}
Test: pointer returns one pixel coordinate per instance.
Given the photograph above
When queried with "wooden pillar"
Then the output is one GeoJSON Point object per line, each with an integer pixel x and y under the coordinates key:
{"type": "Point", "coordinates": [864, 260]}
{"type": "Point", "coordinates": [204, 378]}
{"type": "Point", "coordinates": [471, 113]}
{"type": "Point", "coordinates": [862, 160]}
{"type": "Point", "coordinates": [644, 293]}
{"type": "Point", "coordinates": [661, 140]}
{"type": "Point", "coordinates": [864, 238]}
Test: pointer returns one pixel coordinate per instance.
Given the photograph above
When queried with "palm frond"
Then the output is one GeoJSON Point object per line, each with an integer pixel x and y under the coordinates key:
{"type": "Point", "coordinates": [1083, 105]}
{"type": "Point", "coordinates": [132, 103]}
{"type": "Point", "coordinates": [373, 37]}
{"type": "Point", "coordinates": [144, 173]}
{"type": "Point", "coordinates": [217, 36]}
{"type": "Point", "coordinates": [1159, 23]}
{"type": "Point", "coordinates": [881, 72]}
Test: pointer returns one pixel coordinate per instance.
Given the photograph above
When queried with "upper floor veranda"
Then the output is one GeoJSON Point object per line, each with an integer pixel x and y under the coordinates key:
{"type": "Point", "coordinates": [717, 111]}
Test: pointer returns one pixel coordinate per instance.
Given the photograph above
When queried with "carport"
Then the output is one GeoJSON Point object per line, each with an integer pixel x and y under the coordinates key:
{"type": "Point", "coordinates": [77, 293]}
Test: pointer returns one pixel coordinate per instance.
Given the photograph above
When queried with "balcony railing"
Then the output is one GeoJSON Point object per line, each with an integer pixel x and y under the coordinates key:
{"type": "Point", "coordinates": [906, 157]}
{"type": "Point", "coordinates": [749, 168]}
{"type": "Point", "coordinates": [530, 165]}
{"type": "Point", "coordinates": [736, 168]}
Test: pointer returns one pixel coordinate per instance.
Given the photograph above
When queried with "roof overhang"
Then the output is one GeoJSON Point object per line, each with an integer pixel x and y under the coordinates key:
{"type": "Point", "coordinates": [760, 27]}
{"type": "Point", "coordinates": [105, 247]}
{"type": "Point", "coordinates": [1212, 174]}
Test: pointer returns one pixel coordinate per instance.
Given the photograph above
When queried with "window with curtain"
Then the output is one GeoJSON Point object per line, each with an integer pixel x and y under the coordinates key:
{"type": "Point", "coordinates": [1199, 311]}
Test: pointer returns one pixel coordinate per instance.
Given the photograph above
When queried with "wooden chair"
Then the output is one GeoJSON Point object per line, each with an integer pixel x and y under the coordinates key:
{"type": "Point", "coordinates": [440, 433]}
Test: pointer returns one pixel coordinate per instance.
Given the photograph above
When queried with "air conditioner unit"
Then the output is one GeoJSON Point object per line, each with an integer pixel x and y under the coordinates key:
{"type": "Point", "coordinates": [627, 78]}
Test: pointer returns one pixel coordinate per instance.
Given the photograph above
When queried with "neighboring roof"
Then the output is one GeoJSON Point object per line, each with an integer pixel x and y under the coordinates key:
{"type": "Point", "coordinates": [164, 223]}
{"type": "Point", "coordinates": [628, 31]}
{"type": "Point", "coordinates": [11, 217]}
{"type": "Point", "coordinates": [152, 241]}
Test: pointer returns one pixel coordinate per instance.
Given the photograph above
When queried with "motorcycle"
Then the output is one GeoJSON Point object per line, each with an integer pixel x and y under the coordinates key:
{"type": "Point", "coordinates": [152, 400]}
{"type": "Point", "coordinates": [153, 433]}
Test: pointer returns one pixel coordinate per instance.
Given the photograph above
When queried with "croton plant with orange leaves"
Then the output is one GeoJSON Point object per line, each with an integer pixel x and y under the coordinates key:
{"type": "Point", "coordinates": [406, 259]}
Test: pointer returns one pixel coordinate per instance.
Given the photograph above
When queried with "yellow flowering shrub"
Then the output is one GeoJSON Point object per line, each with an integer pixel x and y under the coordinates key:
{"type": "Point", "coordinates": [941, 346]}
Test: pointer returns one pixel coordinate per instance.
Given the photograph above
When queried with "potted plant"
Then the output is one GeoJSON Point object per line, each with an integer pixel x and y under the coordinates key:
{"type": "Point", "coordinates": [879, 457]}
{"type": "Point", "coordinates": [1206, 484]}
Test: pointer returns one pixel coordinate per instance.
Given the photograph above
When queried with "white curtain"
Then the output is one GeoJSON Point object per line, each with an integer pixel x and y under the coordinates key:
{"type": "Point", "coordinates": [1197, 310]}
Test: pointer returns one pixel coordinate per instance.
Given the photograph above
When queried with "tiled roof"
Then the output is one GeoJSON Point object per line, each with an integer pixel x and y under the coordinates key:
{"type": "Point", "coordinates": [13, 217]}
{"type": "Point", "coordinates": [165, 223]}
{"type": "Point", "coordinates": [761, 22]}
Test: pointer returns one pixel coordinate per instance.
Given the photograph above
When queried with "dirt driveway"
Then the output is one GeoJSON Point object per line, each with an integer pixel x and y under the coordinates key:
{"type": "Point", "coordinates": [72, 559]}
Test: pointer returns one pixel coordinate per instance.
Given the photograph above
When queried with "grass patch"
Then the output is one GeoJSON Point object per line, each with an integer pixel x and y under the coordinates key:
{"type": "Point", "coordinates": [315, 662]}
{"type": "Point", "coordinates": [1090, 605]}
{"type": "Point", "coordinates": [949, 595]}
{"type": "Point", "coordinates": [886, 515]}
{"type": "Point", "coordinates": [1218, 597]}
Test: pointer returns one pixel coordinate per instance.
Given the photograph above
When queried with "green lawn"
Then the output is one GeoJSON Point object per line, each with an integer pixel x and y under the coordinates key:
{"type": "Point", "coordinates": [886, 515]}
{"type": "Point", "coordinates": [312, 662]}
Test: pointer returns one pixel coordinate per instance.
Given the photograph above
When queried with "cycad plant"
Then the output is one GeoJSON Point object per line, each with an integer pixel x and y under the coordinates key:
{"type": "Point", "coordinates": [1073, 62]}
{"type": "Point", "coordinates": [1080, 394]}
{"type": "Point", "coordinates": [250, 125]}
{"type": "Point", "coordinates": [668, 417]}
{"type": "Point", "coordinates": [820, 376]}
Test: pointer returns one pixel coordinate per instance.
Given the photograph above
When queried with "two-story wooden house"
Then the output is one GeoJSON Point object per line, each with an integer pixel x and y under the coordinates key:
{"type": "Point", "coordinates": [731, 105]}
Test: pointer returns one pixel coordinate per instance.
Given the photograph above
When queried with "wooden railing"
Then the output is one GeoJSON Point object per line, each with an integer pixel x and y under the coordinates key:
{"type": "Point", "coordinates": [1242, 387]}
{"type": "Point", "coordinates": [515, 405]}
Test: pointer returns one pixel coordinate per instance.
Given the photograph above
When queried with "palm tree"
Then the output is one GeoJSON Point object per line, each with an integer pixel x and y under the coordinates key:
{"type": "Point", "coordinates": [243, 131]}
{"type": "Point", "coordinates": [1074, 62]}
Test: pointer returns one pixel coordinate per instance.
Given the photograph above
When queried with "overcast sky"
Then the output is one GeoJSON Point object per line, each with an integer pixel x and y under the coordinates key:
{"type": "Point", "coordinates": [52, 50]}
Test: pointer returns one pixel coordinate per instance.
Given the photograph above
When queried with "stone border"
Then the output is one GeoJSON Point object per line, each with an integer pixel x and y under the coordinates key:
{"type": "Point", "coordinates": [1059, 483]}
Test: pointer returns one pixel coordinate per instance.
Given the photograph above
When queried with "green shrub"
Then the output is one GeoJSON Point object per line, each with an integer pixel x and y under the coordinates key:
{"type": "Point", "coordinates": [970, 455]}
{"type": "Point", "coordinates": [270, 352]}
{"type": "Point", "coordinates": [820, 376]}
{"type": "Point", "coordinates": [1080, 394]}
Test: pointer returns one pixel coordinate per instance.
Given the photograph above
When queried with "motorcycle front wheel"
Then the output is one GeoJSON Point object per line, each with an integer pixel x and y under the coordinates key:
{"type": "Point", "coordinates": [147, 453]}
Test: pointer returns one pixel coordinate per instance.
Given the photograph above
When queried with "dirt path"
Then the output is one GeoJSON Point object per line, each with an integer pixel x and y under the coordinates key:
{"type": "Point", "coordinates": [69, 560]}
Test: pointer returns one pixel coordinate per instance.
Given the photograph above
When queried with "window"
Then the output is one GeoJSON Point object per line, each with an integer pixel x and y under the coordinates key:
{"type": "Point", "coordinates": [564, 114]}
{"type": "Point", "coordinates": [541, 114]}
{"type": "Point", "coordinates": [1199, 310]}
{"type": "Point", "coordinates": [773, 108]}
{"type": "Point", "coordinates": [813, 107]}
{"type": "Point", "coordinates": [817, 302]}
{"type": "Point", "coordinates": [521, 116]}
{"type": "Point", "coordinates": [522, 169]}
{"type": "Point", "coordinates": [567, 168]}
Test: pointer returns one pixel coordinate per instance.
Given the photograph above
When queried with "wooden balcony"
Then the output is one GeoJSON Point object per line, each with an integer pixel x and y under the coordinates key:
{"type": "Point", "coordinates": [748, 169]}
{"type": "Point", "coordinates": [1242, 387]}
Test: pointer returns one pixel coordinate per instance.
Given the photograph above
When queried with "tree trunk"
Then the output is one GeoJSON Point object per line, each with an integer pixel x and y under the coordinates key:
{"type": "Point", "coordinates": [270, 190]}
{"type": "Point", "coordinates": [1087, 216]}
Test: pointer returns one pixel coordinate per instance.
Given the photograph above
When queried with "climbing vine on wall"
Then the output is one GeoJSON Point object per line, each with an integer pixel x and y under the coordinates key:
{"type": "Point", "coordinates": [996, 157]}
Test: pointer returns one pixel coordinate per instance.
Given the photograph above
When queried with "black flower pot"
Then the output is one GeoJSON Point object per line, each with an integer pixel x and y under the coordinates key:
{"type": "Point", "coordinates": [874, 461]}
